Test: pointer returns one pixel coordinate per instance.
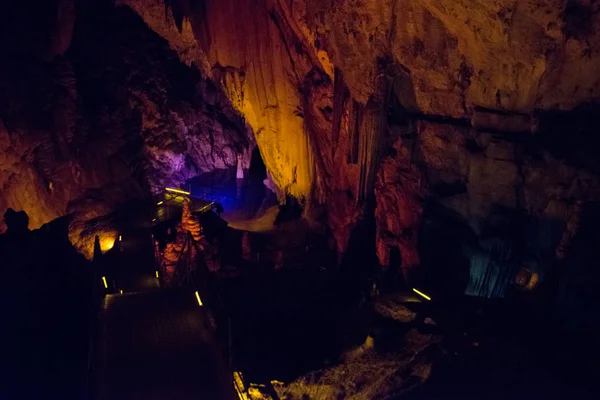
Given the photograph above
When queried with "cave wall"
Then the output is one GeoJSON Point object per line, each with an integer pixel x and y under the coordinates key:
{"type": "Point", "coordinates": [268, 62]}
{"type": "Point", "coordinates": [496, 54]}
{"type": "Point", "coordinates": [106, 118]}
{"type": "Point", "coordinates": [475, 78]}
{"type": "Point", "coordinates": [358, 107]}
{"type": "Point", "coordinates": [316, 80]}
{"type": "Point", "coordinates": [252, 49]}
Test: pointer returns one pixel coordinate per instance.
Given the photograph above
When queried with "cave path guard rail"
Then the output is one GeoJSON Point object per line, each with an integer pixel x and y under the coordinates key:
{"type": "Point", "coordinates": [195, 275]}
{"type": "Point", "coordinates": [97, 373]}
{"type": "Point", "coordinates": [169, 202]}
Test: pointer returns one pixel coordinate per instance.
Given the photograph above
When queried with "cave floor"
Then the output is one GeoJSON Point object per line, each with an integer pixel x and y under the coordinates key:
{"type": "Point", "coordinates": [153, 343]}
{"type": "Point", "coordinates": [394, 354]}
{"type": "Point", "coordinates": [500, 351]}
{"type": "Point", "coordinates": [157, 345]}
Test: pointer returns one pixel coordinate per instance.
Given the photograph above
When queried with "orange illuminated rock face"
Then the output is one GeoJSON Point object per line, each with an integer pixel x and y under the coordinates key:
{"type": "Point", "coordinates": [318, 80]}
{"type": "Point", "coordinates": [269, 64]}
{"type": "Point", "coordinates": [356, 107]}
{"type": "Point", "coordinates": [252, 51]}
{"type": "Point", "coordinates": [116, 114]}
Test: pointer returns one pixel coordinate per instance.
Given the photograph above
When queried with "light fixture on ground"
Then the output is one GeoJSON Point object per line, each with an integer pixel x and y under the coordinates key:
{"type": "Point", "coordinates": [177, 191]}
{"type": "Point", "coordinates": [421, 294]}
{"type": "Point", "coordinates": [198, 298]}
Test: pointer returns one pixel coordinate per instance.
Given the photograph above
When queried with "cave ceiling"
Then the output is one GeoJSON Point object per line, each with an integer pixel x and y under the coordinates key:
{"type": "Point", "coordinates": [355, 105]}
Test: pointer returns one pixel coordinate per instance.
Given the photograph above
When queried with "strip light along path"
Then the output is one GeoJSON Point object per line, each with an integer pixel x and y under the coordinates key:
{"type": "Point", "coordinates": [155, 345]}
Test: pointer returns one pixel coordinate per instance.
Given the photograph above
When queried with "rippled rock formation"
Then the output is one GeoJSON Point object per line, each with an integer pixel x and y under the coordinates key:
{"type": "Point", "coordinates": [110, 115]}
{"type": "Point", "coordinates": [328, 86]}
{"type": "Point", "coordinates": [358, 108]}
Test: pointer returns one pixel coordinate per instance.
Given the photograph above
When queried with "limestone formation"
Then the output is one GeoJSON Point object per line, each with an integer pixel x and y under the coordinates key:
{"type": "Point", "coordinates": [315, 80]}
{"type": "Point", "coordinates": [490, 99]}
{"type": "Point", "coordinates": [177, 251]}
{"type": "Point", "coordinates": [189, 223]}
{"type": "Point", "coordinates": [105, 117]}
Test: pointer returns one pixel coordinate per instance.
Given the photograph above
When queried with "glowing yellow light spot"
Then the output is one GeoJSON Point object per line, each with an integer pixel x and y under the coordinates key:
{"type": "Point", "coordinates": [533, 281]}
{"type": "Point", "coordinates": [120, 238]}
{"type": "Point", "coordinates": [238, 384]}
{"type": "Point", "coordinates": [159, 203]}
{"type": "Point", "coordinates": [176, 191]}
{"type": "Point", "coordinates": [157, 274]}
{"type": "Point", "coordinates": [153, 219]}
{"type": "Point", "coordinates": [198, 298]}
{"type": "Point", "coordinates": [121, 291]}
{"type": "Point", "coordinates": [421, 294]}
{"type": "Point", "coordinates": [105, 284]}
{"type": "Point", "coordinates": [107, 243]}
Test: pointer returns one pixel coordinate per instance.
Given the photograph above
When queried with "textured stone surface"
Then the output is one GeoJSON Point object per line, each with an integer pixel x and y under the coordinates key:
{"type": "Point", "coordinates": [477, 81]}
{"type": "Point", "coordinates": [497, 54]}
{"type": "Point", "coordinates": [304, 74]}
{"type": "Point", "coordinates": [400, 191]}
{"type": "Point", "coordinates": [252, 51]}
{"type": "Point", "coordinates": [114, 117]}
{"type": "Point", "coordinates": [366, 373]}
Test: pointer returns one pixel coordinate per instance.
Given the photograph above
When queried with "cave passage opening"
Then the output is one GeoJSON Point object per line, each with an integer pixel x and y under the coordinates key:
{"type": "Point", "coordinates": [241, 198]}
{"type": "Point", "coordinates": [258, 170]}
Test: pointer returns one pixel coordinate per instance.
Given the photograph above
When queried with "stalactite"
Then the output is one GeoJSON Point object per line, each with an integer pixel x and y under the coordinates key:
{"type": "Point", "coordinates": [372, 127]}
{"type": "Point", "coordinates": [355, 114]}
{"type": "Point", "coordinates": [341, 94]}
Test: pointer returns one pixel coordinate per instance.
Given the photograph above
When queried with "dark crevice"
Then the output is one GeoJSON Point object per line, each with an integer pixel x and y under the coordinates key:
{"type": "Point", "coordinates": [440, 119]}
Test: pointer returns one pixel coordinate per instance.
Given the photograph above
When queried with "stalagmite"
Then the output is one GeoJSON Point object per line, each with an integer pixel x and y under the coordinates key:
{"type": "Point", "coordinates": [173, 251]}
{"type": "Point", "coordinates": [189, 223]}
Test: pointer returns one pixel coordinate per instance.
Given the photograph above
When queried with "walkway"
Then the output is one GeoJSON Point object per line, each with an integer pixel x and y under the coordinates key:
{"type": "Point", "coordinates": [157, 346]}
{"type": "Point", "coordinates": [136, 269]}
{"type": "Point", "coordinates": [154, 344]}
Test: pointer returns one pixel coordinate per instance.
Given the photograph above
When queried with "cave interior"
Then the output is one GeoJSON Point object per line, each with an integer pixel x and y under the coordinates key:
{"type": "Point", "coordinates": [366, 199]}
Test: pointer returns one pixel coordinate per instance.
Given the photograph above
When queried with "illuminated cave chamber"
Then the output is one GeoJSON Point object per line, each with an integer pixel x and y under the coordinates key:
{"type": "Point", "coordinates": [243, 190]}
{"type": "Point", "coordinates": [423, 133]}
{"type": "Point", "coordinates": [402, 136]}
{"type": "Point", "coordinates": [109, 117]}
{"type": "Point", "coordinates": [400, 131]}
